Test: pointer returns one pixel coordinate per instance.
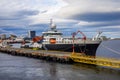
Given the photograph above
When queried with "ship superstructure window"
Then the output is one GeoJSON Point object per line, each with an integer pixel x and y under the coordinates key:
{"type": "Point", "coordinates": [50, 34]}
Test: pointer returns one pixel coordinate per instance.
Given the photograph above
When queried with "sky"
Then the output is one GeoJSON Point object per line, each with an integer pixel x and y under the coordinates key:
{"type": "Point", "coordinates": [89, 16]}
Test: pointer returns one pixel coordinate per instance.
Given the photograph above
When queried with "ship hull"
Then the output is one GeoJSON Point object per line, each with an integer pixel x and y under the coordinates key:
{"type": "Point", "coordinates": [88, 49]}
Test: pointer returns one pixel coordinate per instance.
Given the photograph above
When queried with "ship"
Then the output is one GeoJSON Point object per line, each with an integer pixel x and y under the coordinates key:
{"type": "Point", "coordinates": [53, 39]}
{"type": "Point", "coordinates": [4, 43]}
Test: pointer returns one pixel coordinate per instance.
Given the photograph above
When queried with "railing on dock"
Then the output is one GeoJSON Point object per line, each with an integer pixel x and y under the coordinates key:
{"type": "Point", "coordinates": [108, 62]}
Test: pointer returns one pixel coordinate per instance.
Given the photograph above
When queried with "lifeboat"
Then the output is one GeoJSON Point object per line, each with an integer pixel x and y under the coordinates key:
{"type": "Point", "coordinates": [52, 40]}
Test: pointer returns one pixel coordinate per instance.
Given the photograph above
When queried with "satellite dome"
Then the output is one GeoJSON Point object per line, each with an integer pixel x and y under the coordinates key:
{"type": "Point", "coordinates": [53, 26]}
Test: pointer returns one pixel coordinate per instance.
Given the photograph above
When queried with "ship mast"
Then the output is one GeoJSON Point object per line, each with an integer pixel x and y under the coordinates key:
{"type": "Point", "coordinates": [51, 21]}
{"type": "Point", "coordinates": [52, 25]}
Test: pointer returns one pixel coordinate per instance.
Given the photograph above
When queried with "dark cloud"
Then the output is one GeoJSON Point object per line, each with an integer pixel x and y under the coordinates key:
{"type": "Point", "coordinates": [39, 25]}
{"type": "Point", "coordinates": [39, 28]}
{"type": "Point", "coordinates": [44, 11]}
{"type": "Point", "coordinates": [97, 16]}
{"type": "Point", "coordinates": [9, 17]}
{"type": "Point", "coordinates": [26, 13]}
{"type": "Point", "coordinates": [2, 31]}
{"type": "Point", "coordinates": [19, 15]}
{"type": "Point", "coordinates": [111, 29]}
{"type": "Point", "coordinates": [114, 0]}
{"type": "Point", "coordinates": [63, 27]}
{"type": "Point", "coordinates": [19, 30]}
{"type": "Point", "coordinates": [102, 24]}
{"type": "Point", "coordinates": [8, 28]}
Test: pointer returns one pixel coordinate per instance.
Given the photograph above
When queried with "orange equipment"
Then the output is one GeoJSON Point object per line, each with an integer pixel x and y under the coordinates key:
{"type": "Point", "coordinates": [37, 38]}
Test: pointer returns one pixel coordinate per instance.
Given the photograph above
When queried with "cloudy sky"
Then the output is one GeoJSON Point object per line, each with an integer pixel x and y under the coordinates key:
{"type": "Point", "coordinates": [89, 16]}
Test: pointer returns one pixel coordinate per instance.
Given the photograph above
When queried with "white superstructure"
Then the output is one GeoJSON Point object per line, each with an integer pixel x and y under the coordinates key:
{"type": "Point", "coordinates": [53, 36]}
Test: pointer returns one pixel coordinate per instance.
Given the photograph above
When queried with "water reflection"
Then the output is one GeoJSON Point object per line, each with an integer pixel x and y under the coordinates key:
{"type": "Point", "coordinates": [96, 69]}
{"type": "Point", "coordinates": [22, 68]}
{"type": "Point", "coordinates": [53, 71]}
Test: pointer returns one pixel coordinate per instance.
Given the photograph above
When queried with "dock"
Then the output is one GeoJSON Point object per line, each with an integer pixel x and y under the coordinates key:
{"type": "Point", "coordinates": [56, 56]}
{"type": "Point", "coordinates": [62, 57]}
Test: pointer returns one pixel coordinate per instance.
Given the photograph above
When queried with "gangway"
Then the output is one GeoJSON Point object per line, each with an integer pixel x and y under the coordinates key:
{"type": "Point", "coordinates": [108, 62]}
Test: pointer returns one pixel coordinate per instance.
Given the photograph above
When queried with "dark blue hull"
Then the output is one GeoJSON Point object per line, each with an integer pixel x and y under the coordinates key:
{"type": "Point", "coordinates": [88, 49]}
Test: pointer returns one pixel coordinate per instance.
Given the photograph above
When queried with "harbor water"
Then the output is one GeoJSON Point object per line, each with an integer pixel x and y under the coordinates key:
{"type": "Point", "coordinates": [24, 68]}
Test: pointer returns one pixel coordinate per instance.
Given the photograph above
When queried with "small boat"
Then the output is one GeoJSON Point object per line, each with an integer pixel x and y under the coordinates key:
{"type": "Point", "coordinates": [4, 43]}
{"type": "Point", "coordinates": [23, 45]}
